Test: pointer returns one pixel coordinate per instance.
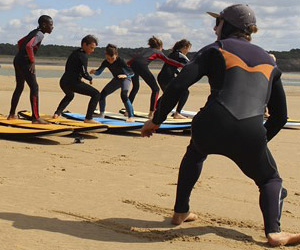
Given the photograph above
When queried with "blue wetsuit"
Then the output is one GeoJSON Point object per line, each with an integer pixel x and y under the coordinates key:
{"type": "Point", "coordinates": [244, 79]}
{"type": "Point", "coordinates": [118, 67]}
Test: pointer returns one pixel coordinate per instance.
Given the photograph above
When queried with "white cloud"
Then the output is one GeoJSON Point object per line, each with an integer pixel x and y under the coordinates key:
{"type": "Point", "coordinates": [8, 4]}
{"type": "Point", "coordinates": [15, 23]}
{"type": "Point", "coordinates": [78, 11]}
{"type": "Point", "coordinates": [119, 1]}
{"type": "Point", "coordinates": [117, 30]}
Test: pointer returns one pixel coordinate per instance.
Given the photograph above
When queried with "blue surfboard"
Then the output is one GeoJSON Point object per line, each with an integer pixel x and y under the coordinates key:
{"type": "Point", "coordinates": [127, 125]}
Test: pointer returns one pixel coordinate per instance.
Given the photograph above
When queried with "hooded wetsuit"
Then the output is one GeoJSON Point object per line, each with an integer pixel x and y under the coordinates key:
{"type": "Point", "coordinates": [244, 79]}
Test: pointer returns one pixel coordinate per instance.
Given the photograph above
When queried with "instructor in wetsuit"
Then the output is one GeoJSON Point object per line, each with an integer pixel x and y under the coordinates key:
{"type": "Point", "coordinates": [244, 79]}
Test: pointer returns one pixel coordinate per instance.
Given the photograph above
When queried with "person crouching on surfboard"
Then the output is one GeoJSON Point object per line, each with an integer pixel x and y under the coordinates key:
{"type": "Point", "coordinates": [121, 79]}
{"type": "Point", "coordinates": [24, 64]}
{"type": "Point", "coordinates": [71, 81]}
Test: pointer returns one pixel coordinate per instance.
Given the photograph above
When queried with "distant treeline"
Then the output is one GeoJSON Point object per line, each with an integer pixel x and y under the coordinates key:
{"type": "Point", "coordinates": [288, 61]}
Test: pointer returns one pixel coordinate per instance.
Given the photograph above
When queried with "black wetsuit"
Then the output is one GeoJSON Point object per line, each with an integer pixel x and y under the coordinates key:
{"type": "Point", "coordinates": [118, 67]}
{"type": "Point", "coordinates": [139, 65]}
{"type": "Point", "coordinates": [70, 82]}
{"type": "Point", "coordinates": [27, 48]}
{"type": "Point", "coordinates": [244, 80]}
{"type": "Point", "coordinates": [169, 72]}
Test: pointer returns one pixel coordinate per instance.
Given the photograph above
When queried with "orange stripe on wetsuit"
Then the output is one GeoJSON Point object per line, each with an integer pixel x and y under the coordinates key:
{"type": "Point", "coordinates": [233, 60]}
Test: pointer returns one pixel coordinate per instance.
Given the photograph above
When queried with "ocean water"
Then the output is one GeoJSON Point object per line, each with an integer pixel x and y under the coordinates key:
{"type": "Point", "coordinates": [288, 79]}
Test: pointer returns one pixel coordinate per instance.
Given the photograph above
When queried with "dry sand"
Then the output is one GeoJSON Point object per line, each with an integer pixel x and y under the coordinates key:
{"type": "Point", "coordinates": [117, 191]}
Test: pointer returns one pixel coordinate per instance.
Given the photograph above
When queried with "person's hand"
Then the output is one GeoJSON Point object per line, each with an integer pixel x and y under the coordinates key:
{"type": "Point", "coordinates": [149, 128]}
{"type": "Point", "coordinates": [91, 82]}
{"type": "Point", "coordinates": [32, 68]}
{"type": "Point", "coordinates": [93, 71]}
{"type": "Point", "coordinates": [122, 76]}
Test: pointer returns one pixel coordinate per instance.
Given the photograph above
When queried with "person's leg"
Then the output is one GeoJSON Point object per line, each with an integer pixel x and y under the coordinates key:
{"type": "Point", "coordinates": [151, 82]}
{"type": "Point", "coordinates": [109, 88]}
{"type": "Point", "coordinates": [85, 89]}
{"type": "Point", "coordinates": [20, 81]}
{"type": "Point", "coordinates": [264, 173]}
{"type": "Point", "coordinates": [189, 172]}
{"type": "Point", "coordinates": [69, 96]}
{"type": "Point", "coordinates": [180, 105]}
{"type": "Point", "coordinates": [135, 87]}
{"type": "Point", "coordinates": [30, 79]}
{"type": "Point", "coordinates": [125, 85]}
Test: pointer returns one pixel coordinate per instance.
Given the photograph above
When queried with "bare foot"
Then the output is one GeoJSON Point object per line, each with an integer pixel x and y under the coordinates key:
{"type": "Point", "coordinates": [130, 119]}
{"type": "Point", "coordinates": [282, 239]}
{"type": "Point", "coordinates": [12, 117]}
{"type": "Point", "coordinates": [101, 114]}
{"type": "Point", "coordinates": [179, 218]}
{"type": "Point", "coordinates": [178, 116]}
{"type": "Point", "coordinates": [90, 121]}
{"type": "Point", "coordinates": [150, 115]}
{"type": "Point", "coordinates": [40, 121]}
{"type": "Point", "coordinates": [55, 116]}
{"type": "Point", "coordinates": [125, 113]}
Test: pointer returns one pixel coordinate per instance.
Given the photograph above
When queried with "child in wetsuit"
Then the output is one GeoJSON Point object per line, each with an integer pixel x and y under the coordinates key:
{"type": "Point", "coordinates": [139, 65]}
{"type": "Point", "coordinates": [71, 81]}
{"type": "Point", "coordinates": [24, 64]}
{"type": "Point", "coordinates": [169, 72]}
{"type": "Point", "coordinates": [121, 79]}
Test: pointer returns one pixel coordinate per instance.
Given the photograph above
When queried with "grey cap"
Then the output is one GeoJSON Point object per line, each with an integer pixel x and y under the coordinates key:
{"type": "Point", "coordinates": [239, 15]}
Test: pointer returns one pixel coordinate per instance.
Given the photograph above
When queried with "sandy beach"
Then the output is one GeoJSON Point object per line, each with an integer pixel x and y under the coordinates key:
{"type": "Point", "coordinates": [117, 191]}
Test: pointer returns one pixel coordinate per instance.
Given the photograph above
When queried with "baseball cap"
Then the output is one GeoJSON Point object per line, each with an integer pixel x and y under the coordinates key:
{"type": "Point", "coordinates": [238, 15]}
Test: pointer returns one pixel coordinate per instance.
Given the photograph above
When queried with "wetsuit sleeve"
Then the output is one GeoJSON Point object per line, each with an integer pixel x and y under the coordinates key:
{"type": "Point", "coordinates": [84, 72]}
{"type": "Point", "coordinates": [127, 70]}
{"type": "Point", "coordinates": [166, 59]}
{"type": "Point", "coordinates": [33, 45]}
{"type": "Point", "coordinates": [190, 74]}
{"type": "Point", "coordinates": [277, 109]}
{"type": "Point", "coordinates": [101, 68]}
{"type": "Point", "coordinates": [20, 42]}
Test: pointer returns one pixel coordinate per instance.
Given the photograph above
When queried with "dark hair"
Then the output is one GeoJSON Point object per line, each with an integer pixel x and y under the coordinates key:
{"type": "Point", "coordinates": [111, 49]}
{"type": "Point", "coordinates": [181, 44]}
{"type": "Point", "coordinates": [89, 39]}
{"type": "Point", "coordinates": [155, 43]}
{"type": "Point", "coordinates": [230, 30]}
{"type": "Point", "coordinates": [44, 19]}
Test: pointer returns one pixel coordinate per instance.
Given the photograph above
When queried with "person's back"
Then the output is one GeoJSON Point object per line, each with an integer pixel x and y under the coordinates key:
{"type": "Point", "coordinates": [243, 80]}
{"type": "Point", "coordinates": [244, 84]}
{"type": "Point", "coordinates": [34, 39]}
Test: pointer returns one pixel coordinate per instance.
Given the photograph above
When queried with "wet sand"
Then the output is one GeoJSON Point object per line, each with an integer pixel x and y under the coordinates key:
{"type": "Point", "coordinates": [117, 191]}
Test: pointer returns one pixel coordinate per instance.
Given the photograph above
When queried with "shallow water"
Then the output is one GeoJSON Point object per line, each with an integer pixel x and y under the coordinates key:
{"type": "Point", "coordinates": [288, 79]}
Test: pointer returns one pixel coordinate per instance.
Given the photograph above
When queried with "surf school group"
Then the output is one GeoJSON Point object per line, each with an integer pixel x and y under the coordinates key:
{"type": "Point", "coordinates": [244, 80]}
{"type": "Point", "coordinates": [125, 75]}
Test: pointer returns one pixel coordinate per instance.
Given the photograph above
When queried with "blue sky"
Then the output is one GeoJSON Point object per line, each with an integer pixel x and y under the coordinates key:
{"type": "Point", "coordinates": [129, 23]}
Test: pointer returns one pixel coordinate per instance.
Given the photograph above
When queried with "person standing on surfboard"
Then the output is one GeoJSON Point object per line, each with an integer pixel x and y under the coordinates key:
{"type": "Point", "coordinates": [121, 79]}
{"type": "Point", "coordinates": [168, 72]}
{"type": "Point", "coordinates": [244, 79]}
{"type": "Point", "coordinates": [139, 65]}
{"type": "Point", "coordinates": [24, 64]}
{"type": "Point", "coordinates": [71, 81]}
